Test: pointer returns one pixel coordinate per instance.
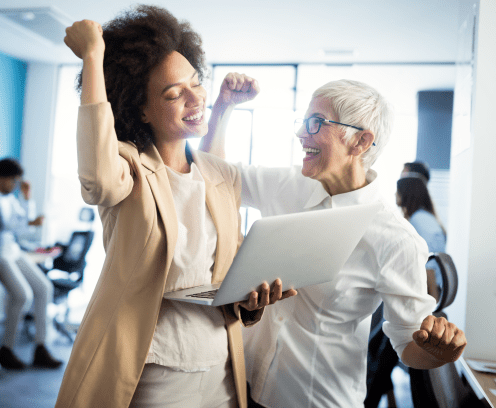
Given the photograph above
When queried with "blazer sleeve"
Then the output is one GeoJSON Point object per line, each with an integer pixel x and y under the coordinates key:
{"type": "Point", "coordinates": [106, 176]}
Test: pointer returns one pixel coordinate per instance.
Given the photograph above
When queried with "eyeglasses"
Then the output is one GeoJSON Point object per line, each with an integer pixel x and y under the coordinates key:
{"type": "Point", "coordinates": [313, 125]}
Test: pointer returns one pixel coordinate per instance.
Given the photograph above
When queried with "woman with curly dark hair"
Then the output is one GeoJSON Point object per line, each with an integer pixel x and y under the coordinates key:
{"type": "Point", "coordinates": [170, 221]}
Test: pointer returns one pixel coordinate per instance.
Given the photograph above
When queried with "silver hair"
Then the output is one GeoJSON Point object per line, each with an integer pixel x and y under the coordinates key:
{"type": "Point", "coordinates": [358, 104]}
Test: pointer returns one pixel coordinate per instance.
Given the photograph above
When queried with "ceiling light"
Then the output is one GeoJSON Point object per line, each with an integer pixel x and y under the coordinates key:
{"type": "Point", "coordinates": [28, 16]}
{"type": "Point", "coordinates": [47, 22]}
{"type": "Point", "coordinates": [338, 52]}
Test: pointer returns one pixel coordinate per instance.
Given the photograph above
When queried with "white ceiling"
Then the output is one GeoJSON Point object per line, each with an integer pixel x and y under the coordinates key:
{"type": "Point", "coordinates": [275, 31]}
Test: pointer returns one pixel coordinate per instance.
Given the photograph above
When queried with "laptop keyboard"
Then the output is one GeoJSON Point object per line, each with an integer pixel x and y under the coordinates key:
{"type": "Point", "coordinates": [210, 294]}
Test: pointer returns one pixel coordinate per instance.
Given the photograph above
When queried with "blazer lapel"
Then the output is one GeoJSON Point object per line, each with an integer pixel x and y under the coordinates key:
{"type": "Point", "coordinates": [160, 186]}
{"type": "Point", "coordinates": [218, 203]}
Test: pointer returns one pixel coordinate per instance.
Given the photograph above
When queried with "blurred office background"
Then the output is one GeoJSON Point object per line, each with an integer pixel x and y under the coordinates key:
{"type": "Point", "coordinates": [430, 58]}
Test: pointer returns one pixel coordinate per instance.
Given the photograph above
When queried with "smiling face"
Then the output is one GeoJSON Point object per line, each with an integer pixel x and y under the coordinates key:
{"type": "Point", "coordinates": [327, 154]}
{"type": "Point", "coordinates": [175, 101]}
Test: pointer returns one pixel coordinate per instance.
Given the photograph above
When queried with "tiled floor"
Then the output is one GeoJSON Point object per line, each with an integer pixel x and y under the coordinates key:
{"type": "Point", "coordinates": [33, 387]}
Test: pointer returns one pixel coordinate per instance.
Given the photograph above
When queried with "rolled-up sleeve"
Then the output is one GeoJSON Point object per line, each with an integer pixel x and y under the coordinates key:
{"type": "Point", "coordinates": [402, 283]}
{"type": "Point", "coordinates": [105, 176]}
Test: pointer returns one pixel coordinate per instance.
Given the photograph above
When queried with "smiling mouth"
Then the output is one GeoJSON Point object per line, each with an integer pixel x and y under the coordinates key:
{"type": "Point", "coordinates": [311, 152]}
{"type": "Point", "coordinates": [195, 117]}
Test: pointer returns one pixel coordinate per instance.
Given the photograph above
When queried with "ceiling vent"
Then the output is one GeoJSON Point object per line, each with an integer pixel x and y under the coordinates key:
{"type": "Point", "coordinates": [47, 22]}
{"type": "Point", "coordinates": [338, 52]}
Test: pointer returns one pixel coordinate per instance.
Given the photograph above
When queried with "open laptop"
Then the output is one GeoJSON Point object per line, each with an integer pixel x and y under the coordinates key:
{"type": "Point", "coordinates": [301, 249]}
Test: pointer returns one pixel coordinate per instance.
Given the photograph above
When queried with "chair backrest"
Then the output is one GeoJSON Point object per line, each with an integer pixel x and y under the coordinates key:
{"type": "Point", "coordinates": [72, 258]}
{"type": "Point", "coordinates": [449, 278]}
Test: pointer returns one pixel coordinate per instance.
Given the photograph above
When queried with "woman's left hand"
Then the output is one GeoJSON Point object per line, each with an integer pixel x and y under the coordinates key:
{"type": "Point", "coordinates": [440, 338]}
{"type": "Point", "coordinates": [269, 296]}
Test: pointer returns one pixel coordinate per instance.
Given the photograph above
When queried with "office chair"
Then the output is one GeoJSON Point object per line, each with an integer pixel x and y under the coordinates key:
{"type": "Point", "coordinates": [72, 262]}
{"type": "Point", "coordinates": [442, 387]}
{"type": "Point", "coordinates": [449, 279]}
{"type": "Point", "coordinates": [67, 270]}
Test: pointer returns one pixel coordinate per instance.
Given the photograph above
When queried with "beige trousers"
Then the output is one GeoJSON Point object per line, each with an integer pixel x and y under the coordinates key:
{"type": "Point", "coordinates": [162, 387]}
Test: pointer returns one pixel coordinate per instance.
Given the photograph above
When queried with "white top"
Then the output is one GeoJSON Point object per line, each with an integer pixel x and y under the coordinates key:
{"type": "Point", "coordinates": [428, 227]}
{"type": "Point", "coordinates": [14, 217]}
{"type": "Point", "coordinates": [311, 350]}
{"type": "Point", "coordinates": [186, 332]}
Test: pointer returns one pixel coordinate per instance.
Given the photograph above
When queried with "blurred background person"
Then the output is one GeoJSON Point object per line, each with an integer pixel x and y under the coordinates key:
{"type": "Point", "coordinates": [412, 196]}
{"type": "Point", "coordinates": [22, 279]}
{"type": "Point", "coordinates": [416, 204]}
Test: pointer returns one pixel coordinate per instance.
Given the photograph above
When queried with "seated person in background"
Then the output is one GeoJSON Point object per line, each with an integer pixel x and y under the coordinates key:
{"type": "Point", "coordinates": [310, 351]}
{"type": "Point", "coordinates": [22, 279]}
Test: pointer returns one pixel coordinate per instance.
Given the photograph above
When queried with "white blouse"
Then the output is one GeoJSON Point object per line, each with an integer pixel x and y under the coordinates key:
{"type": "Point", "coordinates": [14, 216]}
{"type": "Point", "coordinates": [188, 336]}
{"type": "Point", "coordinates": [311, 350]}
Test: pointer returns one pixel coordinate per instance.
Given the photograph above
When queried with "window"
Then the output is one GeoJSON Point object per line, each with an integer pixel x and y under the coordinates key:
{"type": "Point", "coordinates": [261, 131]}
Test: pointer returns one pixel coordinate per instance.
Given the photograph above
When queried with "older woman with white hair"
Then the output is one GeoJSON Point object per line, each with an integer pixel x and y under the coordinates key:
{"type": "Point", "coordinates": [311, 351]}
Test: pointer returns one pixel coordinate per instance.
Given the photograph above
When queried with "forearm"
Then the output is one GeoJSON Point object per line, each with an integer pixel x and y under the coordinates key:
{"type": "Point", "coordinates": [215, 140]}
{"type": "Point", "coordinates": [93, 84]}
{"type": "Point", "coordinates": [432, 288]}
{"type": "Point", "coordinates": [415, 357]}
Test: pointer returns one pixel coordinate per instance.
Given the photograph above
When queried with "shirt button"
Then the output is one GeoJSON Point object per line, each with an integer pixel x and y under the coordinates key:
{"type": "Point", "coordinates": [281, 318]}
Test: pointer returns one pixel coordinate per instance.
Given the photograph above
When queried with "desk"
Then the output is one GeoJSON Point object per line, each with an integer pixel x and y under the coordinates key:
{"type": "Point", "coordinates": [39, 258]}
{"type": "Point", "coordinates": [43, 257]}
{"type": "Point", "coordinates": [480, 382]}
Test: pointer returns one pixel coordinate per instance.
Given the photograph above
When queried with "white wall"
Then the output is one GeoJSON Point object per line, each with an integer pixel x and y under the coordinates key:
{"type": "Point", "coordinates": [37, 133]}
{"type": "Point", "coordinates": [472, 238]}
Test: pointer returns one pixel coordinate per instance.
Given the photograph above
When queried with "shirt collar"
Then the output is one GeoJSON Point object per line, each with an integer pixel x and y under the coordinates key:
{"type": "Point", "coordinates": [355, 197]}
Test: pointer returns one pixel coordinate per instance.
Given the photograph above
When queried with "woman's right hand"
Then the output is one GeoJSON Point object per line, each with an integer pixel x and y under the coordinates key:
{"type": "Point", "coordinates": [238, 88]}
{"type": "Point", "coordinates": [85, 39]}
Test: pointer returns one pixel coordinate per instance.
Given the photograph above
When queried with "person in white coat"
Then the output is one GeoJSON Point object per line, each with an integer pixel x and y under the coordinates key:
{"type": "Point", "coordinates": [21, 278]}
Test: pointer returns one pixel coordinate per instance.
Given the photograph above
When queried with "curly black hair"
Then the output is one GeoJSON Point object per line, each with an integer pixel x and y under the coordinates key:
{"type": "Point", "coordinates": [136, 41]}
{"type": "Point", "coordinates": [10, 168]}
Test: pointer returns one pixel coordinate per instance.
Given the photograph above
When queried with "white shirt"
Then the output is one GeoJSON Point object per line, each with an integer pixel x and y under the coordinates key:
{"type": "Point", "coordinates": [14, 217]}
{"type": "Point", "coordinates": [186, 333]}
{"type": "Point", "coordinates": [311, 350]}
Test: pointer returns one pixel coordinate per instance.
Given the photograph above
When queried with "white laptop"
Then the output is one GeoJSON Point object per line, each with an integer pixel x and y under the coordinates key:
{"type": "Point", "coordinates": [301, 249]}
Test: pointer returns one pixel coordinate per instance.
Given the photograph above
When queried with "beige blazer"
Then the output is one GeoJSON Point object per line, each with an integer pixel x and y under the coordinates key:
{"type": "Point", "coordinates": [139, 233]}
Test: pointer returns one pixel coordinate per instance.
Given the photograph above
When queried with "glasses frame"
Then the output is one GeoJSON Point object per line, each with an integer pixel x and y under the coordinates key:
{"type": "Point", "coordinates": [322, 120]}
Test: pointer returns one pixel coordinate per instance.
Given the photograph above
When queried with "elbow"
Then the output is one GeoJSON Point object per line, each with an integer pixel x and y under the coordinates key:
{"type": "Point", "coordinates": [91, 193]}
{"type": "Point", "coordinates": [94, 193]}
